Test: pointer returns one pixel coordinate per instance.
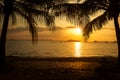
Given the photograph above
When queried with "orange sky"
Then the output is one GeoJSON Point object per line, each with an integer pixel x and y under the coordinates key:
{"type": "Point", "coordinates": [107, 33]}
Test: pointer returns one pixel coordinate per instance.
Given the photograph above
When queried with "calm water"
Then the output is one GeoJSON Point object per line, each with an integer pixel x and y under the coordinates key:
{"type": "Point", "coordinates": [60, 49]}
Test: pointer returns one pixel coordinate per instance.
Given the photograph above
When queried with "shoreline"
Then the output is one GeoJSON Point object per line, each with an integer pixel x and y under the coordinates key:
{"type": "Point", "coordinates": [96, 58]}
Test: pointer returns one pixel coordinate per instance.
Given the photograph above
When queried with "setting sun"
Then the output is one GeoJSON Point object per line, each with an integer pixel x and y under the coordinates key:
{"type": "Point", "coordinates": [78, 31]}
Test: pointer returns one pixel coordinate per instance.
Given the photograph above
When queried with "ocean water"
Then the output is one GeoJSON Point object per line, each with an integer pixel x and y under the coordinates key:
{"type": "Point", "coordinates": [60, 49]}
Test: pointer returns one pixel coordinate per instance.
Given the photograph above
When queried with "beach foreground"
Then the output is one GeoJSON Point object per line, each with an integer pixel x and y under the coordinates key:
{"type": "Point", "coordinates": [85, 68]}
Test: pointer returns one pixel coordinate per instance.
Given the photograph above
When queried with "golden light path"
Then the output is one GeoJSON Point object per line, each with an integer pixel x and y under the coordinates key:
{"type": "Point", "coordinates": [78, 49]}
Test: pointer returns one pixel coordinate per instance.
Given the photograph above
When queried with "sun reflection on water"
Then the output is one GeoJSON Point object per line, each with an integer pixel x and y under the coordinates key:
{"type": "Point", "coordinates": [78, 49]}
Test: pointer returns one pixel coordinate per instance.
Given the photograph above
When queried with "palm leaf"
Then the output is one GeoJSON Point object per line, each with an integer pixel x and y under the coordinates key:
{"type": "Point", "coordinates": [14, 19]}
{"type": "Point", "coordinates": [27, 9]}
{"type": "Point", "coordinates": [31, 24]}
{"type": "Point", "coordinates": [38, 14]}
{"type": "Point", "coordinates": [1, 10]}
{"type": "Point", "coordinates": [73, 13]}
{"type": "Point", "coordinates": [44, 2]}
{"type": "Point", "coordinates": [96, 24]}
{"type": "Point", "coordinates": [92, 6]}
{"type": "Point", "coordinates": [49, 20]}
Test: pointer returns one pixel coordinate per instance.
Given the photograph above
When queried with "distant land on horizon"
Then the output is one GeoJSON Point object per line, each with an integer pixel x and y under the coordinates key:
{"type": "Point", "coordinates": [70, 40]}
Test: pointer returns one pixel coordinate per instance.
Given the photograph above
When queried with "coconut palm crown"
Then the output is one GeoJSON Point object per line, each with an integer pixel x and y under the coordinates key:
{"type": "Point", "coordinates": [30, 11]}
{"type": "Point", "coordinates": [111, 11]}
{"type": "Point", "coordinates": [77, 12]}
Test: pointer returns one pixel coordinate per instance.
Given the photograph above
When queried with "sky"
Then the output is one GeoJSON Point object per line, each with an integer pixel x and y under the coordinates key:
{"type": "Point", "coordinates": [65, 31]}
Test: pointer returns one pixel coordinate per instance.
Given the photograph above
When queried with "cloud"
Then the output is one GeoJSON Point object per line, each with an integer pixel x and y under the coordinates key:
{"type": "Point", "coordinates": [59, 28]}
{"type": "Point", "coordinates": [70, 27]}
{"type": "Point", "coordinates": [19, 29]}
{"type": "Point", "coordinates": [109, 28]}
{"type": "Point", "coordinates": [40, 29]}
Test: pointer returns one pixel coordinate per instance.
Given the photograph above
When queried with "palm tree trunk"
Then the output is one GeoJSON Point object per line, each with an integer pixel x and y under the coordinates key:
{"type": "Point", "coordinates": [3, 42]}
{"type": "Point", "coordinates": [117, 35]}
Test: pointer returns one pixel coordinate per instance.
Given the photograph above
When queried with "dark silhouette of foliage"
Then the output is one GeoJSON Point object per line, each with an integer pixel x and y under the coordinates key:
{"type": "Point", "coordinates": [29, 10]}
{"type": "Point", "coordinates": [76, 11]}
{"type": "Point", "coordinates": [111, 11]}
{"type": "Point", "coordinates": [73, 13]}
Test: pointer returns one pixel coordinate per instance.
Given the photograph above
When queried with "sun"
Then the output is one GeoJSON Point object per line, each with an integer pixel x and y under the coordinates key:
{"type": "Point", "coordinates": [78, 30]}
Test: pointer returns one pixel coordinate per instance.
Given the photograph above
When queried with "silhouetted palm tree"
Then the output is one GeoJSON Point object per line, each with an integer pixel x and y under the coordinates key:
{"type": "Point", "coordinates": [76, 11]}
{"type": "Point", "coordinates": [30, 10]}
{"type": "Point", "coordinates": [111, 10]}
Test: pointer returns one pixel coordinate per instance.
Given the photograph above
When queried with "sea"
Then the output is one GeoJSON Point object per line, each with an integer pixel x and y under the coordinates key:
{"type": "Point", "coordinates": [43, 49]}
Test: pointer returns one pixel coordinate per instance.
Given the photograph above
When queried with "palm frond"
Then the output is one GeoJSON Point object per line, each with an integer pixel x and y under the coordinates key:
{"type": "Point", "coordinates": [96, 24]}
{"type": "Point", "coordinates": [1, 16]}
{"type": "Point", "coordinates": [32, 28]}
{"type": "Point", "coordinates": [1, 10]}
{"type": "Point", "coordinates": [32, 25]}
{"type": "Point", "coordinates": [73, 13]}
{"type": "Point", "coordinates": [34, 2]}
{"type": "Point", "coordinates": [1, 2]}
{"type": "Point", "coordinates": [43, 2]}
{"type": "Point", "coordinates": [50, 22]}
{"type": "Point", "coordinates": [36, 13]}
{"type": "Point", "coordinates": [92, 6]}
{"type": "Point", "coordinates": [67, 7]}
{"type": "Point", "coordinates": [60, 1]}
{"type": "Point", "coordinates": [28, 9]}
{"type": "Point", "coordinates": [14, 19]}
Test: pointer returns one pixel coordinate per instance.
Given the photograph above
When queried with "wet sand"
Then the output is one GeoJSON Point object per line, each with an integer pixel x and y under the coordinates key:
{"type": "Point", "coordinates": [84, 68]}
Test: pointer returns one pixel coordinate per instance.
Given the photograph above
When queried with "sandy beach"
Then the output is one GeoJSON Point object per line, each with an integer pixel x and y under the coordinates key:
{"type": "Point", "coordinates": [84, 68]}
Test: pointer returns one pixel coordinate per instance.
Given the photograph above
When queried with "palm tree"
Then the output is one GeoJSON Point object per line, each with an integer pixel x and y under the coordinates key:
{"type": "Point", "coordinates": [29, 10]}
{"type": "Point", "coordinates": [77, 11]}
{"type": "Point", "coordinates": [111, 10]}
